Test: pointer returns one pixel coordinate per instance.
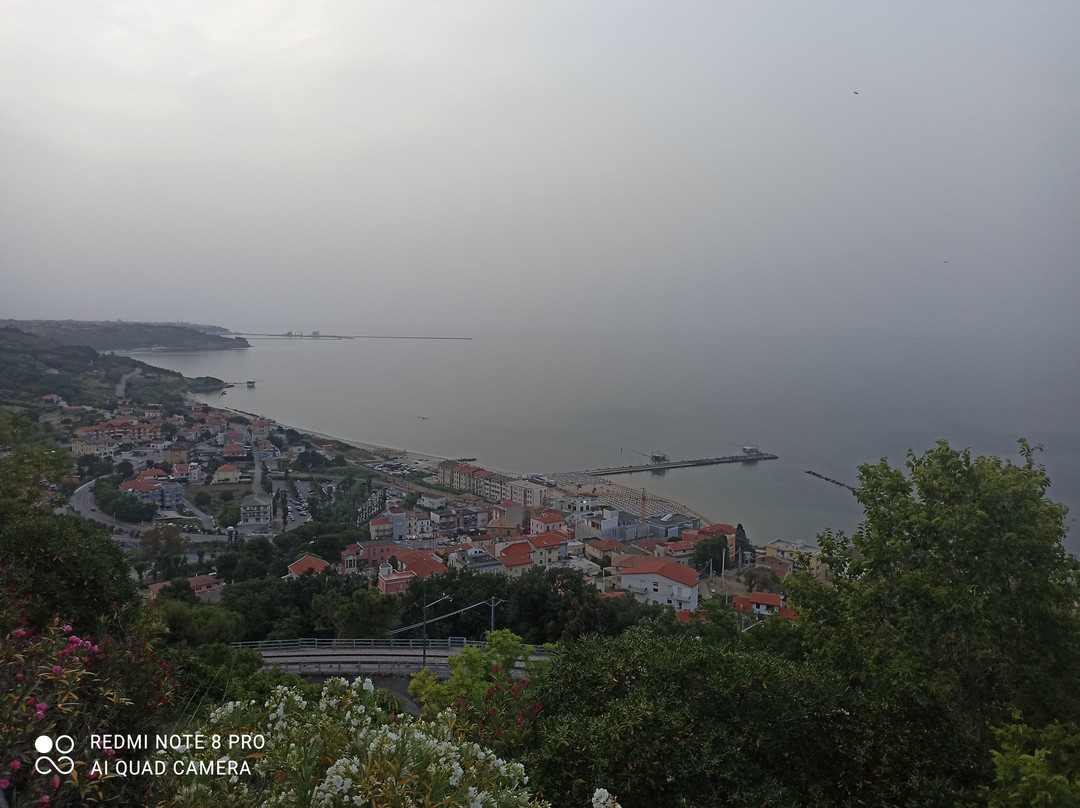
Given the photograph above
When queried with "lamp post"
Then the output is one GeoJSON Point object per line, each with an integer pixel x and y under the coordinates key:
{"type": "Point", "coordinates": [425, 608]}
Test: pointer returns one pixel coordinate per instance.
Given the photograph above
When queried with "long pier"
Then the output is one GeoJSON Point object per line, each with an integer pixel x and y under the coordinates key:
{"type": "Point", "coordinates": [745, 457]}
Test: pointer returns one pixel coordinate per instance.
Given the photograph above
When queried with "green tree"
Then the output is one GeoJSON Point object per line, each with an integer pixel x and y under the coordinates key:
{"type": "Point", "coordinates": [712, 554]}
{"type": "Point", "coordinates": [1035, 768]}
{"type": "Point", "coordinates": [202, 500]}
{"type": "Point", "coordinates": [229, 516]}
{"type": "Point", "coordinates": [165, 547]}
{"type": "Point", "coordinates": [956, 602]}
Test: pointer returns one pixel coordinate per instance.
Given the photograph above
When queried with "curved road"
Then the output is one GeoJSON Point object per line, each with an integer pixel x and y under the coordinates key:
{"type": "Point", "coordinates": [82, 502]}
{"type": "Point", "coordinates": [122, 384]}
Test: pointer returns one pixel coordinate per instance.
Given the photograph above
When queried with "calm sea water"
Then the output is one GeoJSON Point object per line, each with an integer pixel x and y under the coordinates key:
{"type": "Point", "coordinates": [547, 404]}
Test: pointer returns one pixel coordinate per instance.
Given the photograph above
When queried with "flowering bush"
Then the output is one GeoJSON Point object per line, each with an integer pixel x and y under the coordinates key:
{"type": "Point", "coordinates": [346, 751]}
{"type": "Point", "coordinates": [55, 682]}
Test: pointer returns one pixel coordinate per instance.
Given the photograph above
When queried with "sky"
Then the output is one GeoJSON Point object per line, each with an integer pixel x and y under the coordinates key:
{"type": "Point", "coordinates": [456, 166]}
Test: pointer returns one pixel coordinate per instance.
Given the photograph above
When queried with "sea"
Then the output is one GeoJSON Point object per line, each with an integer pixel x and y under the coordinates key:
{"type": "Point", "coordinates": [542, 404]}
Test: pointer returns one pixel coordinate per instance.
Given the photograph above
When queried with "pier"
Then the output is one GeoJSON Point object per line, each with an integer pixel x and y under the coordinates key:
{"type": "Point", "coordinates": [745, 457]}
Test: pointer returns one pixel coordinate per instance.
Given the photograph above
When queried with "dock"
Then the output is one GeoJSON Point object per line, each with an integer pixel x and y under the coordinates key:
{"type": "Point", "coordinates": [745, 457]}
{"type": "Point", "coordinates": [851, 488]}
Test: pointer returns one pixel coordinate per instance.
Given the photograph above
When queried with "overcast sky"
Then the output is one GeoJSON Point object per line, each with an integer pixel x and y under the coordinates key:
{"type": "Point", "coordinates": [466, 167]}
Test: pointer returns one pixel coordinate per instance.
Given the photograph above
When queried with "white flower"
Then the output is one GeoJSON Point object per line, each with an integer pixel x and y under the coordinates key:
{"type": "Point", "coordinates": [369, 686]}
{"type": "Point", "coordinates": [602, 799]}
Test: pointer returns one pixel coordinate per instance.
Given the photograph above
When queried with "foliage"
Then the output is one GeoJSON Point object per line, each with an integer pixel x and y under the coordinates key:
{"type": "Point", "coordinates": [275, 608]}
{"type": "Point", "coordinates": [955, 602]}
{"type": "Point", "coordinates": [1035, 768]}
{"type": "Point", "coordinates": [712, 551]}
{"type": "Point", "coordinates": [163, 546]}
{"type": "Point", "coordinates": [63, 565]}
{"type": "Point", "coordinates": [760, 579]}
{"type": "Point", "coordinates": [56, 681]}
{"type": "Point", "coordinates": [126, 507]}
{"type": "Point", "coordinates": [675, 720]}
{"type": "Point", "coordinates": [229, 516]}
{"type": "Point", "coordinates": [366, 613]}
{"type": "Point", "coordinates": [345, 750]}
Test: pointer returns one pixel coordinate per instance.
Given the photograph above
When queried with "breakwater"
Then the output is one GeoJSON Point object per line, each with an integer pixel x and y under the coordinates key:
{"type": "Point", "coordinates": [831, 480]}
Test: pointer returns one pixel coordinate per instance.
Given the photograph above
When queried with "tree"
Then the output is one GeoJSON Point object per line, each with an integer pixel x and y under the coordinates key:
{"type": "Point", "coordinates": [230, 516]}
{"type": "Point", "coordinates": [954, 600]}
{"type": "Point", "coordinates": [712, 551]}
{"type": "Point", "coordinates": [165, 547]}
{"type": "Point", "coordinates": [202, 499]}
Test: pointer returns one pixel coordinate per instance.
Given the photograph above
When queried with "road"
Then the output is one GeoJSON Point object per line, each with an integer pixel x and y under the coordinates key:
{"type": "Point", "coordinates": [82, 502]}
{"type": "Point", "coordinates": [122, 384]}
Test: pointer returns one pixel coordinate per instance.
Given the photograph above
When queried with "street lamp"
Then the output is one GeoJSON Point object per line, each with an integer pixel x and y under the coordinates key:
{"type": "Point", "coordinates": [425, 608]}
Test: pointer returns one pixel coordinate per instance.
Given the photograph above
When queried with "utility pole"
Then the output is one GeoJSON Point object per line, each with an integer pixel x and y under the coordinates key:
{"type": "Point", "coordinates": [423, 599]}
{"type": "Point", "coordinates": [494, 602]}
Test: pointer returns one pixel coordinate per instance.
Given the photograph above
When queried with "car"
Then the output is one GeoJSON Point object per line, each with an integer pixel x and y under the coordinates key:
{"type": "Point", "coordinates": [93, 508]}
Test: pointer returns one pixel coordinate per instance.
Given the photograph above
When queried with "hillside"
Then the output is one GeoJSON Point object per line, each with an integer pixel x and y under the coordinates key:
{"type": "Point", "coordinates": [120, 336]}
{"type": "Point", "coordinates": [32, 367]}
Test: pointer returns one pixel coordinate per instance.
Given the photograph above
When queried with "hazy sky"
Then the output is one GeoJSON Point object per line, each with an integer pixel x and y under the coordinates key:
{"type": "Point", "coordinates": [463, 167]}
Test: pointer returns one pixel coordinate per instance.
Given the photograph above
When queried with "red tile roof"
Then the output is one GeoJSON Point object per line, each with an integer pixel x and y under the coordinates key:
{"type": "Point", "coordinates": [767, 599]}
{"type": "Point", "coordinates": [604, 545]}
{"type": "Point", "coordinates": [550, 517]}
{"type": "Point", "coordinates": [227, 467]}
{"type": "Point", "coordinates": [552, 538]}
{"type": "Point", "coordinates": [516, 554]}
{"type": "Point", "coordinates": [419, 562]}
{"type": "Point", "coordinates": [680, 573]}
{"type": "Point", "coordinates": [305, 563]}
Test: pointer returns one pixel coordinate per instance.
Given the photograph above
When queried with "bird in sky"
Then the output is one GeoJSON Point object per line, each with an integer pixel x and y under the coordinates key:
{"type": "Point", "coordinates": [856, 92]}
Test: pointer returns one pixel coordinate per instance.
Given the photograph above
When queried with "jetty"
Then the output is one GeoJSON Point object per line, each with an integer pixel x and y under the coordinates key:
{"type": "Point", "coordinates": [749, 455]}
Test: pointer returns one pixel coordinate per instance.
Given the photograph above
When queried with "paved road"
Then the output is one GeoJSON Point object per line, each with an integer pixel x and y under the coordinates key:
{"type": "Point", "coordinates": [122, 384]}
{"type": "Point", "coordinates": [82, 502]}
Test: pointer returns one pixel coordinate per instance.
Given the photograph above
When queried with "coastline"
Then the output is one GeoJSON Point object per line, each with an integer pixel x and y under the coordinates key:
{"type": "Point", "coordinates": [610, 494]}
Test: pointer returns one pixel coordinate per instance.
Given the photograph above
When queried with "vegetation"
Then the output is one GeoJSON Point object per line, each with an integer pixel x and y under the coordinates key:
{"type": "Point", "coordinates": [114, 336]}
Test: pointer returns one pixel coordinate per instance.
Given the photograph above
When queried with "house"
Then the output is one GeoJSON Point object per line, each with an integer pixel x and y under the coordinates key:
{"type": "Point", "coordinates": [547, 521]}
{"type": "Point", "coordinates": [234, 450]}
{"type": "Point", "coordinates": [764, 604]}
{"type": "Point", "coordinates": [187, 472]}
{"type": "Point", "coordinates": [205, 587]}
{"type": "Point", "coordinates": [516, 558]}
{"type": "Point", "coordinates": [227, 474]}
{"type": "Point", "coordinates": [369, 553]}
{"type": "Point", "coordinates": [433, 502]}
{"type": "Point", "coordinates": [394, 582]}
{"type": "Point", "coordinates": [598, 548]}
{"type": "Point", "coordinates": [418, 523]}
{"type": "Point", "coordinates": [306, 563]}
{"type": "Point", "coordinates": [663, 582]}
{"type": "Point", "coordinates": [256, 509]}
{"type": "Point", "coordinates": [476, 559]}
{"type": "Point", "coordinates": [381, 529]}
{"type": "Point", "coordinates": [681, 551]}
{"type": "Point", "coordinates": [420, 562]}
{"type": "Point", "coordinates": [548, 547]}
{"type": "Point", "coordinates": [502, 528]}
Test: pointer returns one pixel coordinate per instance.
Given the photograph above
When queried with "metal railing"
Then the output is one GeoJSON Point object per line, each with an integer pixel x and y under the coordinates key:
{"type": "Point", "coordinates": [447, 644]}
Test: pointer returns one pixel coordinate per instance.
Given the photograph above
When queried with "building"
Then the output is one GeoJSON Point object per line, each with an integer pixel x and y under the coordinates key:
{"type": "Point", "coordinates": [306, 563]}
{"type": "Point", "coordinates": [370, 553]}
{"type": "Point", "coordinates": [663, 582]}
{"type": "Point", "coordinates": [172, 496]}
{"type": "Point", "coordinates": [227, 474]}
{"type": "Point", "coordinates": [256, 509]}
{"type": "Point", "coordinates": [381, 529]}
{"type": "Point", "coordinates": [516, 558]}
{"type": "Point", "coordinates": [205, 587]}
{"type": "Point", "coordinates": [547, 521]}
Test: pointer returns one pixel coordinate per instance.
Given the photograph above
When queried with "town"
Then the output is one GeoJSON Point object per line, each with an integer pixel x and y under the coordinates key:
{"type": "Point", "coordinates": [213, 471]}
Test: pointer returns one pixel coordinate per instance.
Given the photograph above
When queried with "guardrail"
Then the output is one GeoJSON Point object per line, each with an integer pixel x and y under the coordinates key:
{"type": "Point", "coordinates": [448, 644]}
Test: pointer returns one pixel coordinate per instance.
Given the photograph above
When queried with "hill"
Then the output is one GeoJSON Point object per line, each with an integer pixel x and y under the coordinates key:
{"type": "Point", "coordinates": [120, 336]}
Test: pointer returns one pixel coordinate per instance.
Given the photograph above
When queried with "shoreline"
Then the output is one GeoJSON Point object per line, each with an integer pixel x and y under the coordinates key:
{"type": "Point", "coordinates": [618, 496]}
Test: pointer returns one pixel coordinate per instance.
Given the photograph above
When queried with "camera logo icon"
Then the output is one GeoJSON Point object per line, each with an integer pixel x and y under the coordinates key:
{"type": "Point", "coordinates": [63, 745]}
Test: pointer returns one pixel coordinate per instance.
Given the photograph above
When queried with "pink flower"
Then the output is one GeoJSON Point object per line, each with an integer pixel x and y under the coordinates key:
{"type": "Point", "coordinates": [45, 799]}
{"type": "Point", "coordinates": [67, 629]}
{"type": "Point", "coordinates": [15, 765]}
{"type": "Point", "coordinates": [18, 677]}
{"type": "Point", "coordinates": [57, 670]}
{"type": "Point", "coordinates": [94, 648]}
{"type": "Point", "coordinates": [110, 752]}
{"type": "Point", "coordinates": [4, 783]}
{"type": "Point", "coordinates": [92, 776]}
